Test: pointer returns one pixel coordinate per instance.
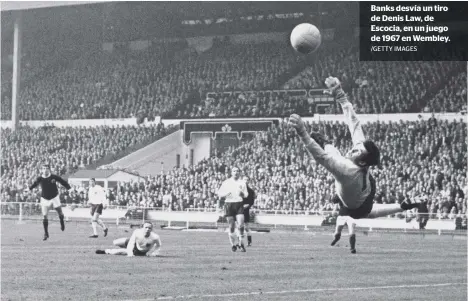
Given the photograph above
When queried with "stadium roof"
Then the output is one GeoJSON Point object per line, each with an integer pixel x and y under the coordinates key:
{"type": "Point", "coordinates": [22, 5]}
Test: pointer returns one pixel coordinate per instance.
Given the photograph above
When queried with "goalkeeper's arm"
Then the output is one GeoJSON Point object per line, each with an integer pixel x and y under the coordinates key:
{"type": "Point", "coordinates": [354, 124]}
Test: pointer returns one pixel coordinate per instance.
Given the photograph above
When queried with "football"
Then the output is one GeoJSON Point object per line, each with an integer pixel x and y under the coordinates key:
{"type": "Point", "coordinates": [306, 38]}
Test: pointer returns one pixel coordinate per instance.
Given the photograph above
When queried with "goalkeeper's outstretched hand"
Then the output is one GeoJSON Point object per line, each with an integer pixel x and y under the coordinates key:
{"type": "Point", "coordinates": [333, 84]}
{"type": "Point", "coordinates": [297, 123]}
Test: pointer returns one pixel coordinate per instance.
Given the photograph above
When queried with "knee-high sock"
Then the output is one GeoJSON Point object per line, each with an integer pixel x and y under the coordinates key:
{"type": "Point", "coordinates": [249, 236]}
{"type": "Point", "coordinates": [45, 223]}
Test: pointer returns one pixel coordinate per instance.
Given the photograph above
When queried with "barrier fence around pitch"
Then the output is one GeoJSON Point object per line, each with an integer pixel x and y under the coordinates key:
{"type": "Point", "coordinates": [304, 218]}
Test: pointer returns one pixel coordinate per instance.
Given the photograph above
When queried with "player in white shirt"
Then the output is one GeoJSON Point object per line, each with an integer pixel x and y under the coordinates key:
{"type": "Point", "coordinates": [98, 201]}
{"type": "Point", "coordinates": [233, 190]}
{"type": "Point", "coordinates": [143, 242]}
{"type": "Point", "coordinates": [355, 186]}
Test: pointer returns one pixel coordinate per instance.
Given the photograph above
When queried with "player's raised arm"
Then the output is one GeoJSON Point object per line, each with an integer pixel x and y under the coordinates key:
{"type": "Point", "coordinates": [36, 183]}
{"type": "Point", "coordinates": [354, 124]}
{"type": "Point", "coordinates": [335, 164]}
{"type": "Point", "coordinates": [62, 181]}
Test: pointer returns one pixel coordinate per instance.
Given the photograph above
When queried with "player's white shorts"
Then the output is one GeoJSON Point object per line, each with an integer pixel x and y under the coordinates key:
{"type": "Point", "coordinates": [55, 202]}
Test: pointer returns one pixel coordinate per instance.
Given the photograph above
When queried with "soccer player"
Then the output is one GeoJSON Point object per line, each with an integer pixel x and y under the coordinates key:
{"type": "Point", "coordinates": [97, 199]}
{"type": "Point", "coordinates": [234, 190]}
{"type": "Point", "coordinates": [355, 186]}
{"type": "Point", "coordinates": [248, 203]}
{"type": "Point", "coordinates": [50, 196]}
{"type": "Point", "coordinates": [143, 242]}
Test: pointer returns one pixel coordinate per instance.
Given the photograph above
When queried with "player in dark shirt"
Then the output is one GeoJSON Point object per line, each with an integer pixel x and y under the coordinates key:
{"type": "Point", "coordinates": [248, 203]}
{"type": "Point", "coordinates": [50, 196]}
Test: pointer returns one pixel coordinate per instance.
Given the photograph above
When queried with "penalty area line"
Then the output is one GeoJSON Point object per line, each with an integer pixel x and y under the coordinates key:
{"type": "Point", "coordinates": [317, 290]}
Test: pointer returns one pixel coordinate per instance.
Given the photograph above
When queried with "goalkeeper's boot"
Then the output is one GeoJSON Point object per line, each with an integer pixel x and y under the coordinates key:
{"type": "Point", "coordinates": [46, 236]}
{"type": "Point", "coordinates": [100, 252]}
{"type": "Point", "coordinates": [93, 236]}
{"type": "Point", "coordinates": [234, 248]}
{"type": "Point", "coordinates": [105, 231]}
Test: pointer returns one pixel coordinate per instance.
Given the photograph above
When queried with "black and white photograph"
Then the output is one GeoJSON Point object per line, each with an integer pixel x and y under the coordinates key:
{"type": "Point", "coordinates": [234, 150]}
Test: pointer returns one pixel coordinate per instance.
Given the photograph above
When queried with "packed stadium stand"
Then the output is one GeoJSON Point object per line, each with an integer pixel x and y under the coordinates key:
{"type": "Point", "coordinates": [425, 159]}
{"type": "Point", "coordinates": [163, 81]}
{"type": "Point", "coordinates": [66, 150]}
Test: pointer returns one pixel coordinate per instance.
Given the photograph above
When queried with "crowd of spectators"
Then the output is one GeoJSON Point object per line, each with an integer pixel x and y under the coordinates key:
{"type": "Point", "coordinates": [66, 149]}
{"type": "Point", "coordinates": [172, 79]}
{"type": "Point", "coordinates": [383, 87]}
{"type": "Point", "coordinates": [424, 159]}
{"type": "Point", "coordinates": [151, 82]}
{"type": "Point", "coordinates": [452, 97]}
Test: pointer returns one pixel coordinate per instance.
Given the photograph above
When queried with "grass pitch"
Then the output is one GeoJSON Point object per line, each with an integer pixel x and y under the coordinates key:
{"type": "Point", "coordinates": [281, 265]}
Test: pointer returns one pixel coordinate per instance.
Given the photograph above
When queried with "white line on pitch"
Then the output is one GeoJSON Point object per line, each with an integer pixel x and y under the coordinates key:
{"type": "Point", "coordinates": [316, 290]}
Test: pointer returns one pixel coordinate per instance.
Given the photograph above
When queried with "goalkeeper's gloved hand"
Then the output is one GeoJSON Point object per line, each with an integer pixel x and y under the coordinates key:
{"type": "Point", "coordinates": [334, 89]}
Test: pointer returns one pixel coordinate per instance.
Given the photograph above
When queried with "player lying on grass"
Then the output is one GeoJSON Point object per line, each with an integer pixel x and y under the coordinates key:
{"type": "Point", "coordinates": [233, 190]}
{"type": "Point", "coordinates": [143, 242]}
{"type": "Point", "coordinates": [355, 186]}
{"type": "Point", "coordinates": [50, 196]}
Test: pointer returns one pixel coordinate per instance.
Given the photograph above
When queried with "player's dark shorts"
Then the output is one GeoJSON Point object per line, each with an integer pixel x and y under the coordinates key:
{"type": "Point", "coordinates": [233, 209]}
{"type": "Point", "coordinates": [362, 211]}
{"type": "Point", "coordinates": [247, 215]}
{"type": "Point", "coordinates": [136, 252]}
{"type": "Point", "coordinates": [96, 208]}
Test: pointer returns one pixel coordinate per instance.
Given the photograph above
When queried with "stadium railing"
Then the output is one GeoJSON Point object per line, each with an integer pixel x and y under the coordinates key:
{"type": "Point", "coordinates": [191, 217]}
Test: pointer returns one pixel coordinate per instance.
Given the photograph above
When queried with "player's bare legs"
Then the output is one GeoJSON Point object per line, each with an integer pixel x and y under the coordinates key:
{"type": "Point", "coordinates": [232, 233]}
{"type": "Point", "coordinates": [45, 221]}
{"type": "Point", "coordinates": [241, 224]}
{"type": "Point", "coordinates": [341, 221]}
{"type": "Point", "coordinates": [121, 242]}
{"type": "Point", "coordinates": [381, 210]}
{"type": "Point", "coordinates": [95, 220]}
